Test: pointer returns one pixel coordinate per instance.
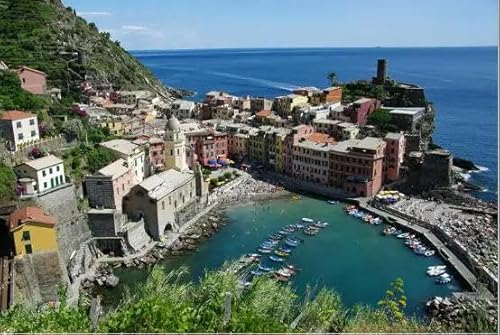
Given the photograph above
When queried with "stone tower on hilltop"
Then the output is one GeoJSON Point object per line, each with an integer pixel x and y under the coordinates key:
{"type": "Point", "coordinates": [175, 146]}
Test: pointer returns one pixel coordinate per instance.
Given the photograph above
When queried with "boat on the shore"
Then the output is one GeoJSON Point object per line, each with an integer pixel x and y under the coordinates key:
{"type": "Point", "coordinates": [283, 272]}
{"type": "Point", "coordinates": [307, 220]}
{"type": "Point", "coordinates": [276, 259]}
{"type": "Point", "coordinates": [281, 278]}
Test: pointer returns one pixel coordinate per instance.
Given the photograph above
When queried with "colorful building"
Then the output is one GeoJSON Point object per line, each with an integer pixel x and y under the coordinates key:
{"type": "Point", "coordinates": [394, 155]}
{"type": "Point", "coordinates": [132, 153]}
{"type": "Point", "coordinates": [33, 231]}
{"type": "Point", "coordinates": [356, 166]}
{"type": "Point", "coordinates": [284, 105]}
{"type": "Point", "coordinates": [360, 109]}
{"type": "Point", "coordinates": [33, 81]}
{"type": "Point", "coordinates": [107, 187]}
{"type": "Point", "coordinates": [113, 124]}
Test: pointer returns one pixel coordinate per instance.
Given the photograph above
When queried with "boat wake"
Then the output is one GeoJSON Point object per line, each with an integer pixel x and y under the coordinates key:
{"type": "Point", "coordinates": [259, 81]}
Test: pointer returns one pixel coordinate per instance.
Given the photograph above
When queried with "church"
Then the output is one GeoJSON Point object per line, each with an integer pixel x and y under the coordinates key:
{"type": "Point", "coordinates": [167, 200]}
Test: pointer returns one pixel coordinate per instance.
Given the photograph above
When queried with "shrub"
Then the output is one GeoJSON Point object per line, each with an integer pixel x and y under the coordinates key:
{"type": "Point", "coordinates": [228, 175]}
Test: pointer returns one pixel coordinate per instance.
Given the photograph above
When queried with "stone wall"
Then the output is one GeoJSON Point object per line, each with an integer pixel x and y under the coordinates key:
{"type": "Point", "coordinates": [53, 144]}
{"type": "Point", "coordinates": [37, 278]}
{"type": "Point", "coordinates": [106, 222]}
{"type": "Point", "coordinates": [136, 236]}
{"type": "Point", "coordinates": [72, 225]}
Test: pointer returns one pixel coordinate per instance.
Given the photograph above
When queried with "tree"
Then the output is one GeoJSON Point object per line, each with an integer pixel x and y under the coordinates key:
{"type": "Point", "coordinates": [7, 182]}
{"type": "Point", "coordinates": [382, 119]}
{"type": "Point", "coordinates": [332, 77]}
{"type": "Point", "coordinates": [99, 158]}
{"type": "Point", "coordinates": [73, 128]}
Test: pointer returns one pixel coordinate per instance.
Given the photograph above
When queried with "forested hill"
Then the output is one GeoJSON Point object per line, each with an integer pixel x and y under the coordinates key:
{"type": "Point", "coordinates": [46, 35]}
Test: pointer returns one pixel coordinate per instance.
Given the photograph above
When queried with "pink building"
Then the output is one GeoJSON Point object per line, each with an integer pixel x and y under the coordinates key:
{"type": "Point", "coordinates": [360, 109]}
{"type": "Point", "coordinates": [237, 146]}
{"type": "Point", "coordinates": [32, 80]}
{"type": "Point", "coordinates": [209, 145]}
{"type": "Point", "coordinates": [394, 155]}
{"type": "Point", "coordinates": [356, 166]}
{"type": "Point", "coordinates": [310, 161]}
{"type": "Point", "coordinates": [107, 187]}
{"type": "Point", "coordinates": [156, 148]}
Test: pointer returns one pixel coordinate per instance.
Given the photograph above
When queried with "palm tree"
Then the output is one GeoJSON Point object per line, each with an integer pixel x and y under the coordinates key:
{"type": "Point", "coordinates": [332, 77]}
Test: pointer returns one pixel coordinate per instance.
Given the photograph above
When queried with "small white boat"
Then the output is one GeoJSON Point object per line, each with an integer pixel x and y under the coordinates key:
{"type": "Point", "coordinates": [308, 220]}
{"type": "Point", "coordinates": [435, 272]}
{"type": "Point", "coordinates": [332, 202]}
{"type": "Point", "coordinates": [436, 267]}
{"type": "Point", "coordinates": [403, 235]}
{"type": "Point", "coordinates": [443, 279]}
{"type": "Point", "coordinates": [429, 253]}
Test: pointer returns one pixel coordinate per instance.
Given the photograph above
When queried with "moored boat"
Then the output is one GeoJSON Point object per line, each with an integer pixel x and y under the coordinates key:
{"type": "Point", "coordinates": [256, 273]}
{"type": "Point", "coordinates": [429, 253]}
{"type": "Point", "coordinates": [435, 272]}
{"type": "Point", "coordinates": [264, 251]}
{"type": "Point", "coordinates": [264, 268]}
{"type": "Point", "coordinates": [276, 259]}
{"type": "Point", "coordinates": [281, 253]}
{"type": "Point", "coordinates": [320, 224]}
{"type": "Point", "coordinates": [389, 230]}
{"type": "Point", "coordinates": [332, 202]}
{"type": "Point", "coordinates": [307, 220]}
{"type": "Point", "coordinates": [403, 235]}
{"type": "Point", "coordinates": [291, 243]}
{"type": "Point", "coordinates": [285, 250]}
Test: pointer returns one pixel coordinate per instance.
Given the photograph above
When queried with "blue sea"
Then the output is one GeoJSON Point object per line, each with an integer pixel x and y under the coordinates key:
{"type": "Point", "coordinates": [461, 82]}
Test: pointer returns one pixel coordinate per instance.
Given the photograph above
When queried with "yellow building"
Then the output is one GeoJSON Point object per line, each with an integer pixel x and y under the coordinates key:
{"type": "Point", "coordinates": [33, 231]}
{"type": "Point", "coordinates": [115, 126]}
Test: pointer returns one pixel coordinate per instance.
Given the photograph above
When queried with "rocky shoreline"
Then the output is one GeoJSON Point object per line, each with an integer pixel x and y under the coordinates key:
{"type": "Point", "coordinates": [459, 311]}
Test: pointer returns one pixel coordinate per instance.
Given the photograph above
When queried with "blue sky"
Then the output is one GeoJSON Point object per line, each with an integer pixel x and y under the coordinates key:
{"type": "Point", "coordinates": [191, 24]}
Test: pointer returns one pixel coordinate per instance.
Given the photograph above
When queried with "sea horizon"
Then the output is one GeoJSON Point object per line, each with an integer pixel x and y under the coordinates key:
{"type": "Point", "coordinates": [317, 48]}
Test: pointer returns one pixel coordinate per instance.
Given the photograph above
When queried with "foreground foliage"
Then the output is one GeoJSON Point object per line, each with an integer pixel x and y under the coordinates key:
{"type": "Point", "coordinates": [167, 303]}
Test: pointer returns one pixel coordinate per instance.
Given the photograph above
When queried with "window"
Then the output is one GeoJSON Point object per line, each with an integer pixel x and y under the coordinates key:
{"type": "Point", "coordinates": [26, 236]}
{"type": "Point", "coordinates": [45, 185]}
{"type": "Point", "coordinates": [163, 205]}
{"type": "Point", "coordinates": [28, 249]}
{"type": "Point", "coordinates": [61, 179]}
{"type": "Point", "coordinates": [50, 170]}
{"type": "Point", "coordinates": [32, 122]}
{"type": "Point", "coordinates": [20, 136]}
{"type": "Point", "coordinates": [18, 124]}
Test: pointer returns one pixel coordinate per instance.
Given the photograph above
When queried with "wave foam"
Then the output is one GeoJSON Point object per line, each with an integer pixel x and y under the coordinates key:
{"type": "Point", "coordinates": [481, 169]}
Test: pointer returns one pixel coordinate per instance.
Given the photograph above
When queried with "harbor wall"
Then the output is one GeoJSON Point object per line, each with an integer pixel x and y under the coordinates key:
{"type": "Point", "coordinates": [456, 248]}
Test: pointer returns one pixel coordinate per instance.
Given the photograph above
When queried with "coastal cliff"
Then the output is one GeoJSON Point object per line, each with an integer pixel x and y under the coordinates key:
{"type": "Point", "coordinates": [46, 35]}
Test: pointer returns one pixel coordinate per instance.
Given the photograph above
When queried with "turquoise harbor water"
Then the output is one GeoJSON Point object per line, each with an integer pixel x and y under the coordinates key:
{"type": "Point", "coordinates": [349, 256]}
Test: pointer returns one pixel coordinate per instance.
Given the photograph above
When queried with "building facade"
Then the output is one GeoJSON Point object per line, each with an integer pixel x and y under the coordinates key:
{"type": "Point", "coordinates": [132, 153]}
{"type": "Point", "coordinates": [394, 155]}
{"type": "Point", "coordinates": [32, 80]}
{"type": "Point", "coordinates": [44, 174]}
{"type": "Point", "coordinates": [33, 231]}
{"type": "Point", "coordinates": [107, 187]}
{"type": "Point", "coordinates": [18, 128]}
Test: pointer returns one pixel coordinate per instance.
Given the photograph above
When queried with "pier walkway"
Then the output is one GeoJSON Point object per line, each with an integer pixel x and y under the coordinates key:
{"type": "Point", "coordinates": [469, 278]}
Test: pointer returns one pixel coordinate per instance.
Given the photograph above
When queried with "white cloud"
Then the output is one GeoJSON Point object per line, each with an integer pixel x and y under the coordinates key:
{"type": "Point", "coordinates": [134, 28]}
{"type": "Point", "coordinates": [90, 14]}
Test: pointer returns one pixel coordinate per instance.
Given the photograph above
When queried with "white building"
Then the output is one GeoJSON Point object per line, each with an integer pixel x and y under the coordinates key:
{"type": "Point", "coordinates": [132, 153]}
{"type": "Point", "coordinates": [18, 128]}
{"type": "Point", "coordinates": [183, 109]}
{"type": "Point", "coordinates": [45, 173]}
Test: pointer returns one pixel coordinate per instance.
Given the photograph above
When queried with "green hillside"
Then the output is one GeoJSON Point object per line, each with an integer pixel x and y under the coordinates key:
{"type": "Point", "coordinates": [44, 34]}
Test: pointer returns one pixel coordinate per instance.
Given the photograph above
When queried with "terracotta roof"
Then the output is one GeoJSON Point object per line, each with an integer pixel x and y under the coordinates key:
{"type": "Point", "coordinates": [30, 69]}
{"type": "Point", "coordinates": [320, 138]}
{"type": "Point", "coordinates": [264, 113]}
{"type": "Point", "coordinates": [29, 214]}
{"type": "Point", "coordinates": [16, 115]}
